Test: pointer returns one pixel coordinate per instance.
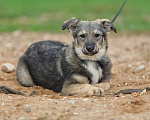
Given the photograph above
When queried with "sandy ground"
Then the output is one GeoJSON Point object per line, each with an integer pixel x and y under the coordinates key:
{"type": "Point", "coordinates": [127, 52]}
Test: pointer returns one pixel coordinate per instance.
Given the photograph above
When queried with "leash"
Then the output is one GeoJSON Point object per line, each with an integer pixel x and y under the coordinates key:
{"type": "Point", "coordinates": [118, 12]}
{"type": "Point", "coordinates": [104, 32]}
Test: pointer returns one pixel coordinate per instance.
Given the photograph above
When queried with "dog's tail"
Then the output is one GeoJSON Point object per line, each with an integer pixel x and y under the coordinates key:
{"type": "Point", "coordinates": [118, 12]}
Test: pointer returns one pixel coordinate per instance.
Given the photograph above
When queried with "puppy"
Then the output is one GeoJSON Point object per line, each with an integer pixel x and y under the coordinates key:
{"type": "Point", "coordinates": [82, 68]}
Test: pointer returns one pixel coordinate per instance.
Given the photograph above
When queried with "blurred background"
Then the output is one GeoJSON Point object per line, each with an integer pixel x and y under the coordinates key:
{"type": "Point", "coordinates": [48, 15]}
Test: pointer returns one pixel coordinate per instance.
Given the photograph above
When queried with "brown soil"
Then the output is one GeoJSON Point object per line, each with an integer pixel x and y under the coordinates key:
{"type": "Point", "coordinates": [127, 52]}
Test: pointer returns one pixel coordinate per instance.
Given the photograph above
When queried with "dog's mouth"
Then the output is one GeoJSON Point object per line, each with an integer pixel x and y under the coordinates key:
{"type": "Point", "coordinates": [90, 52]}
{"type": "Point", "coordinates": [90, 49]}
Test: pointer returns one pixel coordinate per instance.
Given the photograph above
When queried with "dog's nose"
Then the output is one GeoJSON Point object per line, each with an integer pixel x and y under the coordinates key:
{"type": "Point", "coordinates": [90, 47]}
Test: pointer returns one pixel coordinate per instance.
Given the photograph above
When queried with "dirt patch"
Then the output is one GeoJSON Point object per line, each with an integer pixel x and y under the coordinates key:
{"type": "Point", "coordinates": [130, 55]}
{"type": "Point", "coordinates": [135, 106]}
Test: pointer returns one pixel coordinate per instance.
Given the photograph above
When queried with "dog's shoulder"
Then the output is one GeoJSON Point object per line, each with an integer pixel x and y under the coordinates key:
{"type": "Point", "coordinates": [105, 60]}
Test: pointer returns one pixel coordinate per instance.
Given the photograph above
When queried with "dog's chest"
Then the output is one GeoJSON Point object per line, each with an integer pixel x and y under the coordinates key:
{"type": "Point", "coordinates": [95, 70]}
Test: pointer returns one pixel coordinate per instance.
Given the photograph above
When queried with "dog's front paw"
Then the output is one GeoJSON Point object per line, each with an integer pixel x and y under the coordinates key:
{"type": "Point", "coordinates": [96, 91]}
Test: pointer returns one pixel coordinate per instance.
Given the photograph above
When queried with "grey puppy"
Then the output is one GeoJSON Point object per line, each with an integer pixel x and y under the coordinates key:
{"type": "Point", "coordinates": [82, 68]}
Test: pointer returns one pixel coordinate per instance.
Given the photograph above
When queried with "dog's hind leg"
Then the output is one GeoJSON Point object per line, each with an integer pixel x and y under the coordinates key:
{"type": "Point", "coordinates": [23, 74]}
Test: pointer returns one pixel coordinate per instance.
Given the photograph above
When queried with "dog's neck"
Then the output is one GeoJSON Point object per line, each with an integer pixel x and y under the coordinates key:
{"type": "Point", "coordinates": [72, 55]}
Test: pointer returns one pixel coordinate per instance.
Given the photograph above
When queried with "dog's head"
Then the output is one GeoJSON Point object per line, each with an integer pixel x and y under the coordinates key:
{"type": "Point", "coordinates": [90, 41]}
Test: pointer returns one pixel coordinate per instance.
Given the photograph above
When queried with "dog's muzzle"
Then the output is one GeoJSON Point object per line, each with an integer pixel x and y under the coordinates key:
{"type": "Point", "coordinates": [90, 49]}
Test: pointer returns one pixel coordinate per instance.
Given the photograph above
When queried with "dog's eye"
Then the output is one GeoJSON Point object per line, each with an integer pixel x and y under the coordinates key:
{"type": "Point", "coordinates": [82, 36]}
{"type": "Point", "coordinates": [97, 35]}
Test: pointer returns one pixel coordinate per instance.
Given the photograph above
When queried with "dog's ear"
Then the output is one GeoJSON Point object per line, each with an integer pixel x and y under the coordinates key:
{"type": "Point", "coordinates": [108, 26]}
{"type": "Point", "coordinates": [70, 24]}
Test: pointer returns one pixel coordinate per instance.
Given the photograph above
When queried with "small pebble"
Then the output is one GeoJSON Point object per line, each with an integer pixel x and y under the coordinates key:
{"type": "Point", "coordinates": [141, 67]}
{"type": "Point", "coordinates": [33, 93]}
{"type": "Point", "coordinates": [8, 67]}
{"type": "Point", "coordinates": [112, 119]}
{"type": "Point", "coordinates": [143, 92]}
{"type": "Point", "coordinates": [3, 103]}
{"type": "Point", "coordinates": [126, 84]}
{"type": "Point", "coordinates": [28, 110]}
{"type": "Point", "coordinates": [134, 94]}
{"type": "Point", "coordinates": [89, 108]}
{"type": "Point", "coordinates": [71, 102]}
{"type": "Point", "coordinates": [122, 96]}
{"type": "Point", "coordinates": [104, 105]}
{"type": "Point", "coordinates": [116, 98]}
{"type": "Point", "coordinates": [118, 85]}
{"type": "Point", "coordinates": [86, 99]}
{"type": "Point", "coordinates": [21, 118]}
{"type": "Point", "coordinates": [143, 77]}
{"type": "Point", "coordinates": [75, 113]}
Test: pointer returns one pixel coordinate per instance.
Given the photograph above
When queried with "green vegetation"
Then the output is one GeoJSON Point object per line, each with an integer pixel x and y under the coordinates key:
{"type": "Point", "coordinates": [48, 15]}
